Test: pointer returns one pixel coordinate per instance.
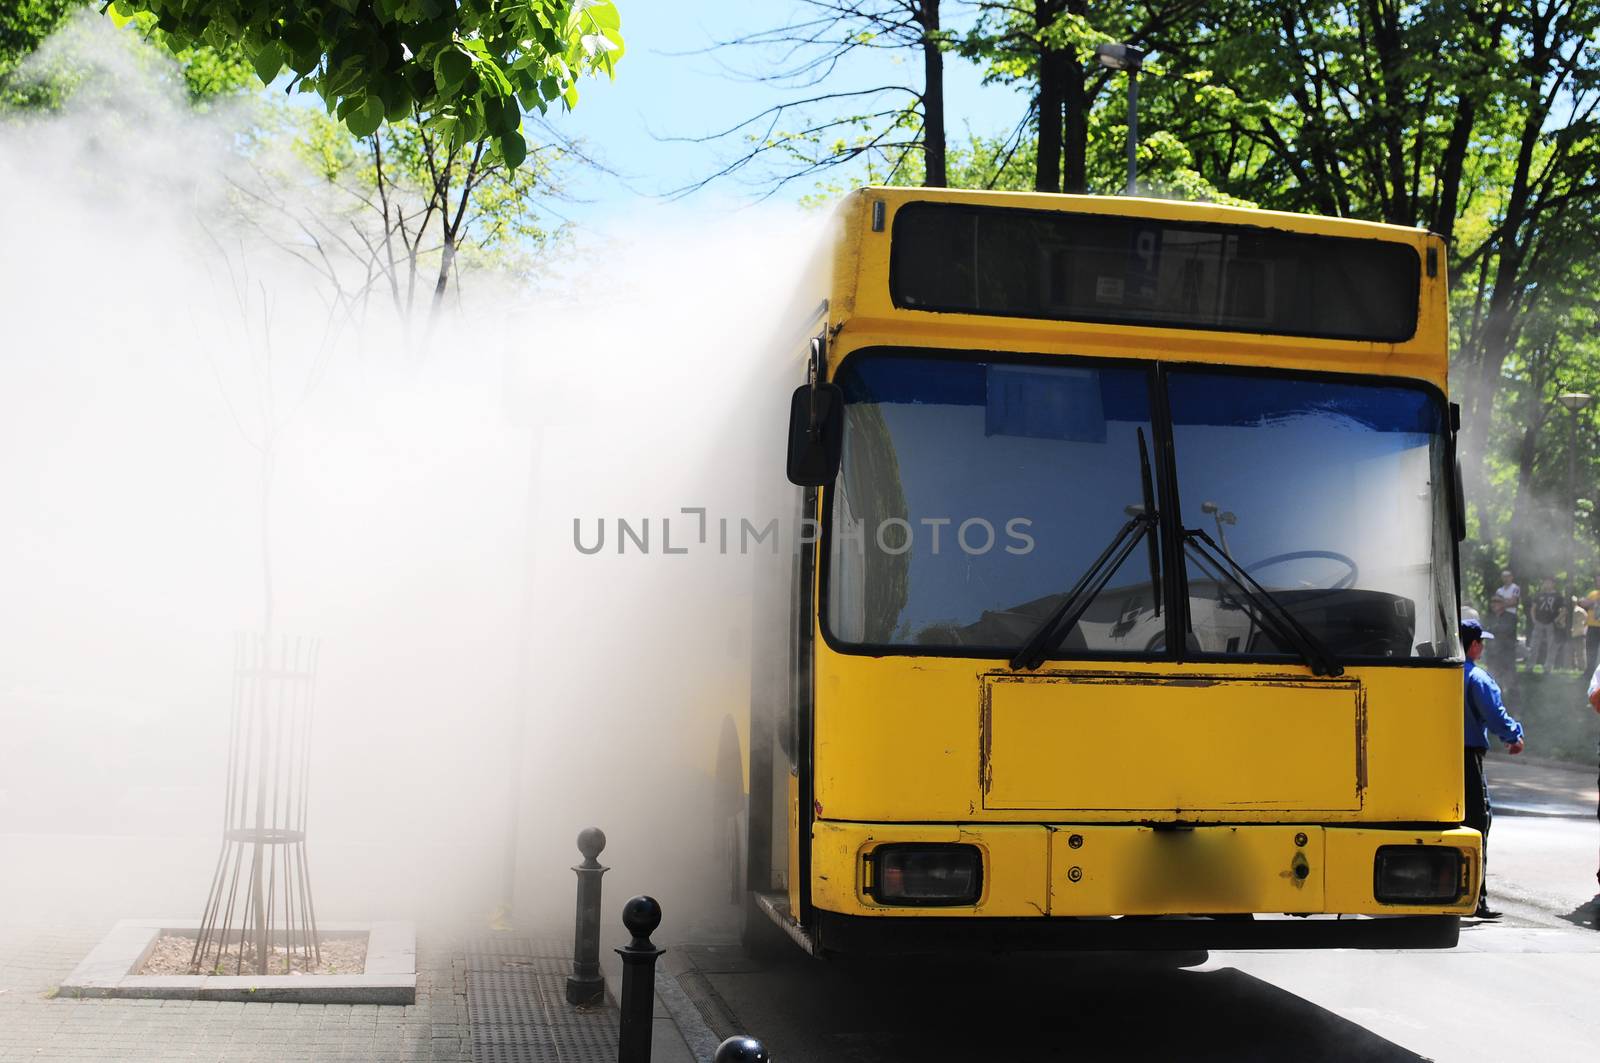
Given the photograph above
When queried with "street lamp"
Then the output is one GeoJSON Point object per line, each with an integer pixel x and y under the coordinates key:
{"type": "Point", "coordinates": [1573, 401]}
{"type": "Point", "coordinates": [1127, 57]}
{"type": "Point", "coordinates": [1221, 516]}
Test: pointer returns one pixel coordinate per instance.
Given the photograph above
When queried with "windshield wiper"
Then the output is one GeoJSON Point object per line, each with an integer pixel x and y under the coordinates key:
{"type": "Point", "coordinates": [1147, 482]}
{"type": "Point", "coordinates": [1048, 635]}
{"type": "Point", "coordinates": [1269, 611]}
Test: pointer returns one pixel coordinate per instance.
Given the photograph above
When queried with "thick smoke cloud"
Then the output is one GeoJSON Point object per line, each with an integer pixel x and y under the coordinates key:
{"type": "Point", "coordinates": [182, 398]}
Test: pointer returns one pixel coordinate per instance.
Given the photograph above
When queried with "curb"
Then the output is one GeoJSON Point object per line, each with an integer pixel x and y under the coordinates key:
{"type": "Point", "coordinates": [679, 1034]}
{"type": "Point", "coordinates": [698, 1037]}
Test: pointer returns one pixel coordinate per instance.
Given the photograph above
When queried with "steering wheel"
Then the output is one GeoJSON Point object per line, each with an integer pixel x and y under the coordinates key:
{"type": "Point", "coordinates": [1344, 582]}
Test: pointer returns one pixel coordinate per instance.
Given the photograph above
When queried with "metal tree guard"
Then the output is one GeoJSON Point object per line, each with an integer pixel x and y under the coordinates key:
{"type": "Point", "coordinates": [273, 923]}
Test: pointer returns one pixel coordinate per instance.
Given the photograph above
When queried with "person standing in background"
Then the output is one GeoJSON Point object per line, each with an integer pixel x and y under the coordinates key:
{"type": "Point", "coordinates": [1563, 630]}
{"type": "Point", "coordinates": [1482, 711]}
{"type": "Point", "coordinates": [1511, 594]}
{"type": "Point", "coordinates": [1591, 630]}
{"type": "Point", "coordinates": [1500, 656]}
{"type": "Point", "coordinates": [1594, 703]}
{"type": "Point", "coordinates": [1510, 591]}
{"type": "Point", "coordinates": [1579, 624]}
{"type": "Point", "coordinates": [1547, 609]}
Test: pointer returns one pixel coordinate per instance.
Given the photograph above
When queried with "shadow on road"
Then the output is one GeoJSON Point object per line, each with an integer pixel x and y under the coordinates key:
{"type": "Point", "coordinates": [1077, 1006]}
{"type": "Point", "coordinates": [1586, 915]}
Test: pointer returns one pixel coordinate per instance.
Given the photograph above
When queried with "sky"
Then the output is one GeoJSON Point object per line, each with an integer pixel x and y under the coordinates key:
{"type": "Point", "coordinates": [663, 90]}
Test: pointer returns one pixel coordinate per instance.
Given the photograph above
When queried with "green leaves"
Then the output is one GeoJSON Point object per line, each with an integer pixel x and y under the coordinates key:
{"type": "Point", "coordinates": [303, 45]}
{"type": "Point", "coordinates": [513, 149]}
{"type": "Point", "coordinates": [267, 61]}
{"type": "Point", "coordinates": [469, 70]}
{"type": "Point", "coordinates": [450, 69]}
{"type": "Point", "coordinates": [365, 119]}
{"type": "Point", "coordinates": [502, 114]}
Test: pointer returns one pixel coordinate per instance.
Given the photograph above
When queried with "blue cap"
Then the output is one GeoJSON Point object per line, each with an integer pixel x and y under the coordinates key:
{"type": "Point", "coordinates": [1472, 631]}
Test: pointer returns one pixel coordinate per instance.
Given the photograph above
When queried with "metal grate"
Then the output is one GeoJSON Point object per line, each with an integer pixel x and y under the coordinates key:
{"type": "Point", "coordinates": [504, 998]}
{"type": "Point", "coordinates": [516, 1003]}
{"type": "Point", "coordinates": [498, 945]}
{"type": "Point", "coordinates": [712, 1008]}
{"type": "Point", "coordinates": [550, 965]}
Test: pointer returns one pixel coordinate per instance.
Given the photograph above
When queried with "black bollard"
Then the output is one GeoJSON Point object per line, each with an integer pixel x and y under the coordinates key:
{"type": "Point", "coordinates": [741, 1049]}
{"type": "Point", "coordinates": [641, 916]}
{"type": "Point", "coordinates": [587, 985]}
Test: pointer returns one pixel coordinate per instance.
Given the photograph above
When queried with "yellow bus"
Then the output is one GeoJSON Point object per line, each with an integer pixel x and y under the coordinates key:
{"type": "Point", "coordinates": [1125, 607]}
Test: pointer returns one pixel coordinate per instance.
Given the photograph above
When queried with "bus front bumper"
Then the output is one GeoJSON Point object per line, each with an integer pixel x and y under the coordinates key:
{"type": "Point", "coordinates": [1086, 872]}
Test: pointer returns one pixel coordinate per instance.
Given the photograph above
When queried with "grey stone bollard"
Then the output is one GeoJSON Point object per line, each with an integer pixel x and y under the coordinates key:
{"type": "Point", "coordinates": [741, 1049]}
{"type": "Point", "coordinates": [587, 985]}
{"type": "Point", "coordinates": [641, 916]}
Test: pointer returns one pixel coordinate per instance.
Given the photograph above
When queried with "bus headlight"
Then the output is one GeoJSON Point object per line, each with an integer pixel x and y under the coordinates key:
{"type": "Point", "coordinates": [1418, 874]}
{"type": "Point", "coordinates": [926, 875]}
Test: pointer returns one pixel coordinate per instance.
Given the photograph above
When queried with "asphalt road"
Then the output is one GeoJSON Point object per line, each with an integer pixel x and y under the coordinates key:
{"type": "Point", "coordinates": [1526, 988]}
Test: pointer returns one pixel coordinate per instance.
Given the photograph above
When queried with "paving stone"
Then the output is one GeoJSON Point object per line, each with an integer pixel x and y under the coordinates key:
{"type": "Point", "coordinates": [35, 1027]}
{"type": "Point", "coordinates": [439, 1026]}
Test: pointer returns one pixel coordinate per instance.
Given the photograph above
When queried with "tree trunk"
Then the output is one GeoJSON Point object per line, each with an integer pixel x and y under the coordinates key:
{"type": "Point", "coordinates": [390, 265]}
{"type": "Point", "coordinates": [1452, 163]}
{"type": "Point", "coordinates": [1450, 169]}
{"type": "Point", "coordinates": [932, 96]}
{"type": "Point", "coordinates": [1389, 43]}
{"type": "Point", "coordinates": [1047, 174]}
{"type": "Point", "coordinates": [1520, 556]}
{"type": "Point", "coordinates": [1075, 125]}
{"type": "Point", "coordinates": [1493, 344]}
{"type": "Point", "coordinates": [451, 228]}
{"type": "Point", "coordinates": [447, 259]}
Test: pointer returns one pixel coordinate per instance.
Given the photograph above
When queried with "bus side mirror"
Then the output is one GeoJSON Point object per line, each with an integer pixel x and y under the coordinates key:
{"type": "Point", "coordinates": [816, 434]}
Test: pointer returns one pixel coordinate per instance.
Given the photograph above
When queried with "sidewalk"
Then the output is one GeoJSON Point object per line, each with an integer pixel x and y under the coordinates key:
{"type": "Point", "coordinates": [497, 999]}
{"type": "Point", "coordinates": [518, 1010]}
{"type": "Point", "coordinates": [1525, 785]}
{"type": "Point", "coordinates": [61, 893]}
{"type": "Point", "coordinates": [36, 1024]}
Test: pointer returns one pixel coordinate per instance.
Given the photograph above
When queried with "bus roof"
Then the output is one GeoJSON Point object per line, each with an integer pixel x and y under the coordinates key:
{"type": "Point", "coordinates": [1405, 304]}
{"type": "Point", "coordinates": [1150, 207]}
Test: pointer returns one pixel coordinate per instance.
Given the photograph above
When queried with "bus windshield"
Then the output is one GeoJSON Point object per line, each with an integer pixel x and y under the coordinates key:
{"type": "Point", "coordinates": [1332, 495]}
{"type": "Point", "coordinates": [973, 495]}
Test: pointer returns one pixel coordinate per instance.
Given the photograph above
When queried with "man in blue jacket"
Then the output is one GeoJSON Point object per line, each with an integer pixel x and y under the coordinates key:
{"type": "Point", "coordinates": [1594, 703]}
{"type": "Point", "coordinates": [1482, 712]}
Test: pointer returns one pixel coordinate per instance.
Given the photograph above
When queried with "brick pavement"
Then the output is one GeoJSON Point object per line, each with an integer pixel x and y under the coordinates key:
{"type": "Point", "coordinates": [35, 1025]}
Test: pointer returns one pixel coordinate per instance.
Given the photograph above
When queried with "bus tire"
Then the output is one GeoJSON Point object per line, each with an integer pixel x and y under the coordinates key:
{"type": "Point", "coordinates": [1426, 932]}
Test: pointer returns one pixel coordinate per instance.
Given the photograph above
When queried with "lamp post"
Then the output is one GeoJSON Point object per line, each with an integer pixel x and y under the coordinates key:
{"type": "Point", "coordinates": [1127, 57]}
{"type": "Point", "coordinates": [1573, 401]}
{"type": "Point", "coordinates": [1221, 516]}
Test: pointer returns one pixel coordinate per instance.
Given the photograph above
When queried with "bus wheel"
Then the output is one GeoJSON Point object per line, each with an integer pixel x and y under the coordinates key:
{"type": "Point", "coordinates": [1426, 932]}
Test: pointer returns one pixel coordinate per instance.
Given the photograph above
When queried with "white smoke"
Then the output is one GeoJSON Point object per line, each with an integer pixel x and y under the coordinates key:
{"type": "Point", "coordinates": [422, 501]}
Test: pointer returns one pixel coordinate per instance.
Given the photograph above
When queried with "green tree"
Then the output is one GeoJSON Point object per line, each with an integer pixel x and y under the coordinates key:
{"type": "Point", "coordinates": [1477, 119]}
{"type": "Point", "coordinates": [467, 69]}
{"type": "Point", "coordinates": [1045, 48]}
{"type": "Point", "coordinates": [23, 27]}
{"type": "Point", "coordinates": [822, 125]}
{"type": "Point", "coordinates": [396, 214]}
{"type": "Point", "coordinates": [25, 23]}
{"type": "Point", "coordinates": [409, 210]}
{"type": "Point", "coordinates": [1474, 118]}
{"type": "Point", "coordinates": [207, 72]}
{"type": "Point", "coordinates": [1021, 43]}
